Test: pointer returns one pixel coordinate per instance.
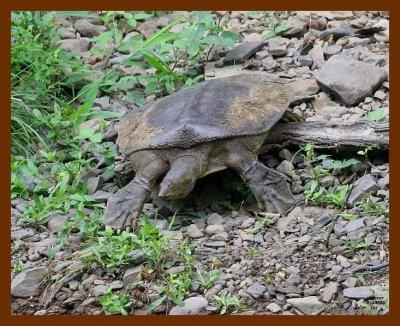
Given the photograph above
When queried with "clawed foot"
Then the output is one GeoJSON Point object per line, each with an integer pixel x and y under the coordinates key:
{"type": "Point", "coordinates": [122, 212]}
{"type": "Point", "coordinates": [271, 190]}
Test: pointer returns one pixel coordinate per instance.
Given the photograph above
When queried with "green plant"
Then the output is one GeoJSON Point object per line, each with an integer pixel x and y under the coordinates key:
{"type": "Point", "coordinates": [268, 277]}
{"type": "Point", "coordinates": [41, 75]}
{"type": "Point", "coordinates": [175, 289]}
{"type": "Point", "coordinates": [112, 250]}
{"type": "Point", "coordinates": [115, 302]}
{"type": "Point", "coordinates": [18, 267]}
{"type": "Point", "coordinates": [227, 302]}
{"type": "Point", "coordinates": [357, 245]}
{"type": "Point", "coordinates": [254, 252]}
{"type": "Point", "coordinates": [375, 115]}
{"type": "Point", "coordinates": [374, 209]}
{"type": "Point", "coordinates": [207, 279]}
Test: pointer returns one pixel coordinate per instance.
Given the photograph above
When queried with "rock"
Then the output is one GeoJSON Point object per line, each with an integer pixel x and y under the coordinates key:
{"type": "Point", "coordinates": [191, 306]}
{"type": "Point", "coordinates": [384, 182]}
{"type": "Point", "coordinates": [85, 28]}
{"type": "Point", "coordinates": [75, 45]}
{"type": "Point", "coordinates": [269, 64]}
{"type": "Point", "coordinates": [161, 224]}
{"type": "Point", "coordinates": [273, 307]}
{"type": "Point", "coordinates": [101, 196]}
{"type": "Point", "coordinates": [305, 60]}
{"type": "Point", "coordinates": [98, 290]}
{"type": "Point", "coordinates": [256, 290]}
{"type": "Point", "coordinates": [356, 41]}
{"type": "Point", "coordinates": [332, 111]}
{"type": "Point", "coordinates": [285, 154]}
{"type": "Point", "coordinates": [73, 285]}
{"type": "Point", "coordinates": [27, 283]}
{"type": "Point", "coordinates": [22, 233]}
{"type": "Point", "coordinates": [296, 26]}
{"type": "Point", "coordinates": [248, 222]}
{"type": "Point", "coordinates": [242, 52]}
{"type": "Point", "coordinates": [355, 225]}
{"type": "Point", "coordinates": [56, 222]}
{"type": "Point", "coordinates": [286, 167]}
{"type": "Point", "coordinates": [307, 305]}
{"type": "Point", "coordinates": [380, 95]}
{"type": "Point", "coordinates": [132, 274]}
{"type": "Point", "coordinates": [277, 46]}
{"type": "Point", "coordinates": [261, 55]}
{"type": "Point", "coordinates": [214, 229]}
{"type": "Point", "coordinates": [366, 184]}
{"type": "Point", "coordinates": [350, 282]}
{"type": "Point", "coordinates": [349, 80]}
{"type": "Point", "coordinates": [94, 184]}
{"type": "Point", "coordinates": [329, 292]}
{"type": "Point", "coordinates": [361, 292]}
{"type": "Point", "coordinates": [193, 231]}
{"type": "Point", "coordinates": [253, 37]}
{"type": "Point", "coordinates": [331, 50]}
{"type": "Point", "coordinates": [214, 218]}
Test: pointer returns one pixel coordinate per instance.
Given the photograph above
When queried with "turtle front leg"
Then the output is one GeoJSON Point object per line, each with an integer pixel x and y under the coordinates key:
{"type": "Point", "coordinates": [269, 187]}
{"type": "Point", "coordinates": [125, 206]}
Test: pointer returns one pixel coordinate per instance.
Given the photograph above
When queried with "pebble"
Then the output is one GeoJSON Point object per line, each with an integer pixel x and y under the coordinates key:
{"type": "Point", "coordinates": [248, 223]}
{"type": "Point", "coordinates": [214, 229]}
{"type": "Point", "coordinates": [194, 232]}
{"type": "Point", "coordinates": [256, 290]}
{"type": "Point", "coordinates": [27, 283]}
{"type": "Point", "coordinates": [274, 307]}
{"type": "Point", "coordinates": [329, 292]}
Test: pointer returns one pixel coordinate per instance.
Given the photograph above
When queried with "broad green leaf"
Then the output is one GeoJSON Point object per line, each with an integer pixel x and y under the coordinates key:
{"type": "Point", "coordinates": [375, 115]}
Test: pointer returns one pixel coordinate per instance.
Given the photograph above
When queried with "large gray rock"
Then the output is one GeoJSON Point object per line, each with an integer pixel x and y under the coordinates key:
{"type": "Point", "coordinates": [366, 184]}
{"type": "Point", "coordinates": [361, 292]}
{"type": "Point", "coordinates": [27, 283]}
{"type": "Point", "coordinates": [243, 52]}
{"type": "Point", "coordinates": [349, 80]}
{"type": "Point", "coordinates": [307, 305]}
{"type": "Point", "coordinates": [191, 306]}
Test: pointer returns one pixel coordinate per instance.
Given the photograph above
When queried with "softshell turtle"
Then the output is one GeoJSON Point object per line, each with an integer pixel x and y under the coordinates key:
{"type": "Point", "coordinates": [214, 125]}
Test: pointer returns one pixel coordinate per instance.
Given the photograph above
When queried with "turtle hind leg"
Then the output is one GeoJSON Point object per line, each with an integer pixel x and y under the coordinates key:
{"type": "Point", "coordinates": [125, 206]}
{"type": "Point", "coordinates": [269, 187]}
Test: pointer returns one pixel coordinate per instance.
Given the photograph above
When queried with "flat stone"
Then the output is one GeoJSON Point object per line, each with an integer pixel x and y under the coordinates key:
{"type": "Point", "coordinates": [256, 290]}
{"type": "Point", "coordinates": [248, 222]}
{"type": "Point", "coordinates": [101, 196]}
{"type": "Point", "coordinates": [366, 184]}
{"type": "Point", "coordinates": [355, 225]}
{"type": "Point", "coordinates": [331, 50]}
{"type": "Point", "coordinates": [329, 292]}
{"type": "Point", "coordinates": [22, 233]}
{"type": "Point", "coordinates": [349, 80]}
{"type": "Point", "coordinates": [261, 55]}
{"type": "Point", "coordinates": [132, 274]}
{"type": "Point", "coordinates": [274, 307]}
{"type": "Point", "coordinates": [27, 283]}
{"type": "Point", "coordinates": [333, 111]}
{"type": "Point", "coordinates": [191, 306]}
{"type": "Point", "coordinates": [296, 26]}
{"type": "Point", "coordinates": [307, 305]}
{"type": "Point", "coordinates": [243, 52]}
{"type": "Point", "coordinates": [94, 184]}
{"type": "Point", "coordinates": [305, 60]}
{"type": "Point", "coordinates": [56, 222]}
{"type": "Point", "coordinates": [361, 292]}
{"type": "Point", "coordinates": [98, 290]}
